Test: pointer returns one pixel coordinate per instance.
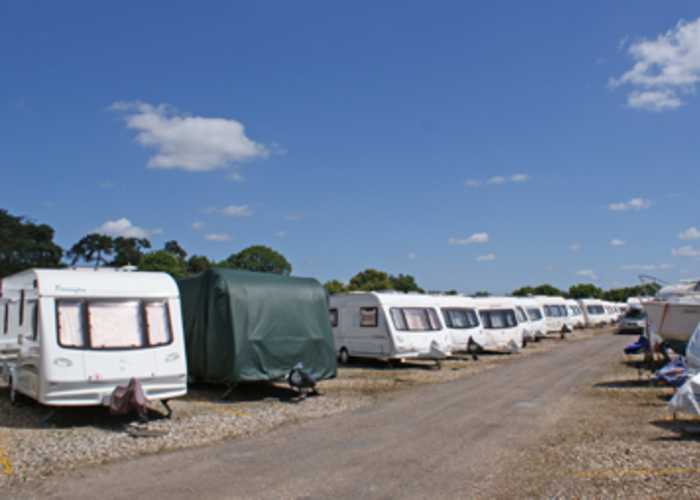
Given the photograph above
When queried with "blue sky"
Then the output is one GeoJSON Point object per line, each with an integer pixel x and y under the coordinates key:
{"type": "Point", "coordinates": [473, 147]}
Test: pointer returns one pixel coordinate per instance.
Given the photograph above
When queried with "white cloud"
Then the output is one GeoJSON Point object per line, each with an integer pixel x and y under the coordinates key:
{"type": "Point", "coordinates": [196, 226]}
{"type": "Point", "coordinates": [654, 100]}
{"type": "Point", "coordinates": [489, 257]}
{"type": "Point", "coordinates": [124, 228]}
{"type": "Point", "coordinates": [663, 68]}
{"type": "Point", "coordinates": [217, 237]}
{"type": "Point", "coordinates": [281, 234]}
{"type": "Point", "coordinates": [235, 176]}
{"type": "Point", "coordinates": [692, 233]}
{"type": "Point", "coordinates": [646, 267]}
{"type": "Point", "coordinates": [686, 251]}
{"type": "Point", "coordinates": [476, 238]}
{"type": "Point", "coordinates": [588, 273]}
{"type": "Point", "coordinates": [411, 256]}
{"type": "Point", "coordinates": [232, 211]}
{"type": "Point", "coordinates": [633, 204]}
{"type": "Point", "coordinates": [192, 143]}
{"type": "Point", "coordinates": [615, 242]}
{"type": "Point", "coordinates": [575, 247]}
{"type": "Point", "coordinates": [497, 180]}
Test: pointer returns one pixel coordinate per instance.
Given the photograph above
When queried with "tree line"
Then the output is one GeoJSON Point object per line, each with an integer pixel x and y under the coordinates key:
{"type": "Point", "coordinates": [25, 244]}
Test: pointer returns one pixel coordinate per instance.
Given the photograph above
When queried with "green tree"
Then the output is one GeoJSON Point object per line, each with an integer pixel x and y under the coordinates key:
{"type": "Point", "coordinates": [405, 283]}
{"type": "Point", "coordinates": [129, 251]}
{"type": "Point", "coordinates": [197, 264]}
{"type": "Point", "coordinates": [334, 286]}
{"type": "Point", "coordinates": [523, 291]}
{"type": "Point", "coordinates": [174, 248]}
{"type": "Point", "coordinates": [92, 248]}
{"type": "Point", "coordinates": [547, 289]}
{"type": "Point", "coordinates": [370, 280]}
{"type": "Point", "coordinates": [24, 244]}
{"type": "Point", "coordinates": [259, 258]}
{"type": "Point", "coordinates": [481, 293]}
{"type": "Point", "coordinates": [585, 291]}
{"type": "Point", "coordinates": [164, 262]}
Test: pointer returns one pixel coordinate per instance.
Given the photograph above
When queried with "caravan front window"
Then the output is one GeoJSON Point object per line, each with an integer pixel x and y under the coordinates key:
{"type": "Point", "coordinates": [415, 319]}
{"type": "Point", "coordinates": [534, 313]}
{"type": "Point", "coordinates": [498, 318]}
{"type": "Point", "coordinates": [460, 319]}
{"type": "Point", "coordinates": [116, 324]}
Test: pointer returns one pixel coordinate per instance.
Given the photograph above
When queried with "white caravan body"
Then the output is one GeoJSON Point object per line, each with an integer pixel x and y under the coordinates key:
{"type": "Point", "coordinates": [576, 318]}
{"type": "Point", "coordinates": [523, 319]}
{"type": "Point", "coordinates": [501, 331]}
{"type": "Point", "coordinates": [461, 319]}
{"type": "Point", "coordinates": [82, 332]}
{"type": "Point", "coordinates": [594, 312]}
{"type": "Point", "coordinates": [555, 313]}
{"type": "Point", "coordinates": [673, 320]}
{"type": "Point", "coordinates": [388, 325]}
{"type": "Point", "coordinates": [535, 314]}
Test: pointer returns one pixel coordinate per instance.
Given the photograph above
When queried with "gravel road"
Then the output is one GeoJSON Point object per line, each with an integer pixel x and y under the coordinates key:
{"type": "Point", "coordinates": [456, 439]}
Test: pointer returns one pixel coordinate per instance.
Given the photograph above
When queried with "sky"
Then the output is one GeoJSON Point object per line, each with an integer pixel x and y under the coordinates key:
{"type": "Point", "coordinates": [475, 146]}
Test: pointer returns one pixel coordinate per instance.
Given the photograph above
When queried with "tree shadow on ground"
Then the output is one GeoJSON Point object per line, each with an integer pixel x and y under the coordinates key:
{"type": "Point", "coordinates": [242, 393]}
{"type": "Point", "coordinates": [627, 384]}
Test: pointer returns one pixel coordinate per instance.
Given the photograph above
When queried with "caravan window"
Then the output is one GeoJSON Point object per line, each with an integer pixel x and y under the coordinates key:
{"type": "Point", "coordinates": [158, 323]}
{"type": "Point", "coordinates": [595, 310]}
{"type": "Point", "coordinates": [520, 314]}
{"type": "Point", "coordinates": [115, 324]}
{"type": "Point", "coordinates": [534, 313]}
{"type": "Point", "coordinates": [415, 319]}
{"type": "Point", "coordinates": [21, 308]}
{"type": "Point", "coordinates": [333, 314]}
{"type": "Point", "coordinates": [460, 319]}
{"type": "Point", "coordinates": [6, 318]}
{"type": "Point", "coordinates": [369, 317]}
{"type": "Point", "coordinates": [33, 311]}
{"type": "Point", "coordinates": [69, 321]}
{"type": "Point", "coordinates": [498, 318]}
{"type": "Point", "coordinates": [118, 324]}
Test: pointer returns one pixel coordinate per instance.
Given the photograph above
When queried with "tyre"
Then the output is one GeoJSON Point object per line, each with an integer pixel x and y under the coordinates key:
{"type": "Point", "coordinates": [344, 356]}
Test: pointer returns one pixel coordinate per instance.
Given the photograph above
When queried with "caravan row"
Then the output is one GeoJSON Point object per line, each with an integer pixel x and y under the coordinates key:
{"type": "Point", "coordinates": [69, 337]}
{"type": "Point", "coordinates": [390, 325]}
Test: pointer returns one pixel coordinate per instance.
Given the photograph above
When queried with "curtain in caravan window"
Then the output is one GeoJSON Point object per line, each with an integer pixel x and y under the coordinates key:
{"type": "Point", "coordinates": [70, 324]}
{"type": "Point", "coordinates": [158, 318]}
{"type": "Point", "coordinates": [417, 319]}
{"type": "Point", "coordinates": [116, 324]}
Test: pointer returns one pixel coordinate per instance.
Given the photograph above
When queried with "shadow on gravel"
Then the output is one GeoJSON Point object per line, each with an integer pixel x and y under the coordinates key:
{"type": "Point", "coordinates": [626, 384]}
{"type": "Point", "coordinates": [28, 414]}
{"type": "Point", "coordinates": [377, 364]}
{"type": "Point", "coordinates": [248, 392]}
{"type": "Point", "coordinates": [685, 430]}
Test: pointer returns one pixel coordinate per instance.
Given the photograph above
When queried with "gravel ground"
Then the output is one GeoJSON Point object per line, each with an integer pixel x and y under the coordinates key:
{"type": "Point", "coordinates": [33, 446]}
{"type": "Point", "coordinates": [622, 443]}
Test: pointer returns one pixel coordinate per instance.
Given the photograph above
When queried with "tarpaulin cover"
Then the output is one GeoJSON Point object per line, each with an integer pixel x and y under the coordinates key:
{"type": "Point", "coordinates": [674, 373]}
{"type": "Point", "coordinates": [245, 326]}
{"type": "Point", "coordinates": [692, 352]}
{"type": "Point", "coordinates": [687, 398]}
{"type": "Point", "coordinates": [638, 346]}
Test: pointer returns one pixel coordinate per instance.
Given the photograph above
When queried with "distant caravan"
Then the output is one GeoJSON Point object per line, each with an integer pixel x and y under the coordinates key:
{"type": "Point", "coordinates": [70, 336]}
{"type": "Point", "coordinates": [501, 330]}
{"type": "Point", "coordinates": [461, 318]}
{"type": "Point", "coordinates": [594, 313]}
{"type": "Point", "coordinates": [556, 314]}
{"type": "Point", "coordinates": [535, 315]}
{"type": "Point", "coordinates": [388, 326]}
{"type": "Point", "coordinates": [576, 317]}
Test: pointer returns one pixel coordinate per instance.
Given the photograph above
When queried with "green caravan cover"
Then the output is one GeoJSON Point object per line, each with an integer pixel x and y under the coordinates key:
{"type": "Point", "coordinates": [245, 326]}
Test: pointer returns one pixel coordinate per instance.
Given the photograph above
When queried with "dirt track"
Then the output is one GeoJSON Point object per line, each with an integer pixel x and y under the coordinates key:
{"type": "Point", "coordinates": [448, 440]}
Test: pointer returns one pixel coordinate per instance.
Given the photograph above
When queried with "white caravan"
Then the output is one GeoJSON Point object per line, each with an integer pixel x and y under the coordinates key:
{"type": "Point", "coordinates": [555, 314]}
{"type": "Point", "coordinates": [499, 323]}
{"type": "Point", "coordinates": [461, 319]}
{"type": "Point", "coordinates": [388, 325]}
{"type": "Point", "coordinates": [80, 333]}
{"type": "Point", "coordinates": [576, 318]}
{"type": "Point", "coordinates": [594, 312]}
{"type": "Point", "coordinates": [533, 309]}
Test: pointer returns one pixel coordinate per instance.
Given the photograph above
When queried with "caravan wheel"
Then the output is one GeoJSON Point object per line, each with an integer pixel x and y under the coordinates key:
{"type": "Point", "coordinates": [344, 356]}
